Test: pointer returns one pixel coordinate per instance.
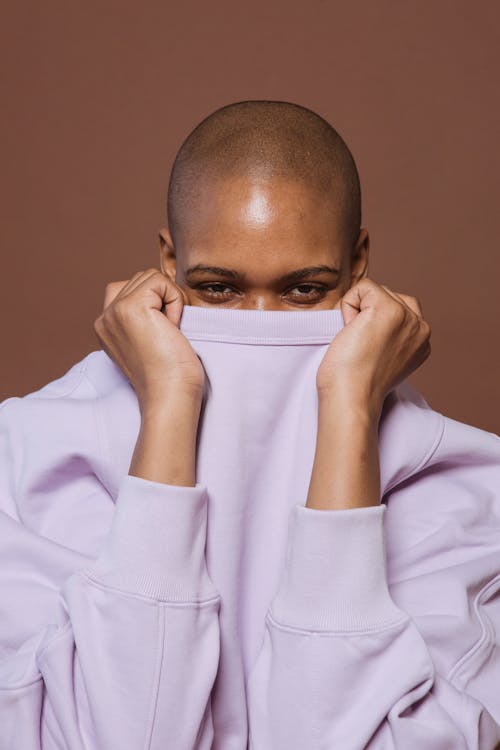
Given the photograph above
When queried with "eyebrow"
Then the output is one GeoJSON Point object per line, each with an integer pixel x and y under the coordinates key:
{"type": "Point", "coordinates": [229, 273]}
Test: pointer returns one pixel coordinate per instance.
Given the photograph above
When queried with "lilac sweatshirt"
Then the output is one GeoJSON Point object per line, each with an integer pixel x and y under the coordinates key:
{"type": "Point", "coordinates": [137, 615]}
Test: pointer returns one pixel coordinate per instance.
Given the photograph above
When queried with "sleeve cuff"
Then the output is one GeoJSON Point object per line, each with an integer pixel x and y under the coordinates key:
{"type": "Point", "coordinates": [156, 542]}
{"type": "Point", "coordinates": [334, 577]}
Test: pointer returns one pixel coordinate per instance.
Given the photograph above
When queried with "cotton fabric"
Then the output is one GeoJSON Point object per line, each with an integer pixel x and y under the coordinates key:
{"type": "Point", "coordinates": [228, 615]}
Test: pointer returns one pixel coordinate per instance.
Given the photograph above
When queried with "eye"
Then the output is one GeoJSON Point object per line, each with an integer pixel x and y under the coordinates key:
{"type": "Point", "coordinates": [216, 289]}
{"type": "Point", "coordinates": [204, 287]}
{"type": "Point", "coordinates": [316, 287]}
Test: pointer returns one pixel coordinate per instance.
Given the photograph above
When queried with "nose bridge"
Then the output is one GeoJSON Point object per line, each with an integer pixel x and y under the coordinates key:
{"type": "Point", "coordinates": [261, 296]}
{"type": "Point", "coordinates": [262, 300]}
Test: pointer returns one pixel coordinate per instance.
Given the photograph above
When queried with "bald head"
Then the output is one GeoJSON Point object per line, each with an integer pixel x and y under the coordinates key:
{"type": "Point", "coordinates": [263, 139]}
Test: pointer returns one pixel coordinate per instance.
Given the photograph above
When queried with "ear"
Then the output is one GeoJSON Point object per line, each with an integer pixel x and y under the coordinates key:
{"type": "Point", "coordinates": [359, 257]}
{"type": "Point", "coordinates": [167, 253]}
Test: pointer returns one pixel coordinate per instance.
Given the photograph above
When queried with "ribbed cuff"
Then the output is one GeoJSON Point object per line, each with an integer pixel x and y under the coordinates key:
{"type": "Point", "coordinates": [156, 542]}
{"type": "Point", "coordinates": [334, 578]}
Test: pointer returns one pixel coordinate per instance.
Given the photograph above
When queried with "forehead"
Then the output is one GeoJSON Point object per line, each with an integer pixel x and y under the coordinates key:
{"type": "Point", "coordinates": [262, 228]}
{"type": "Point", "coordinates": [258, 205]}
{"type": "Point", "coordinates": [276, 190]}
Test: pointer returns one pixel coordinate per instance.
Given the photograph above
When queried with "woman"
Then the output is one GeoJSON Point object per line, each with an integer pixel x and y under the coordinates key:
{"type": "Point", "coordinates": [196, 518]}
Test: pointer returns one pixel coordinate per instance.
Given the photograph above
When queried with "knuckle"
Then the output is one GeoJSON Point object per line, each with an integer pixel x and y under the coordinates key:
{"type": "Point", "coordinates": [113, 287]}
{"type": "Point", "coordinates": [426, 328]}
{"type": "Point", "coordinates": [154, 274]}
{"type": "Point", "coordinates": [414, 324]}
{"type": "Point", "coordinates": [120, 309]}
{"type": "Point", "coordinates": [99, 328]}
{"type": "Point", "coordinates": [368, 282]}
{"type": "Point", "coordinates": [396, 312]}
{"type": "Point", "coordinates": [416, 303]}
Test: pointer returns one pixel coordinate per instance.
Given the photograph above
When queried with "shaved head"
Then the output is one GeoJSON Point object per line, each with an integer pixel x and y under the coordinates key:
{"type": "Point", "coordinates": [262, 139]}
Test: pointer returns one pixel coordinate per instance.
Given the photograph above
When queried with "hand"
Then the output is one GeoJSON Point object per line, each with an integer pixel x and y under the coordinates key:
{"type": "Point", "coordinates": [145, 342]}
{"type": "Point", "coordinates": [383, 340]}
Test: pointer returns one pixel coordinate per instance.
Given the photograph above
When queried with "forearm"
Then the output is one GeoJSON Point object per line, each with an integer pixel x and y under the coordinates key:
{"type": "Point", "coordinates": [346, 470]}
{"type": "Point", "coordinates": [165, 450]}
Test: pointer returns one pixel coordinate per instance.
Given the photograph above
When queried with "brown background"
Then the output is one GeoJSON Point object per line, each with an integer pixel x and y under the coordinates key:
{"type": "Point", "coordinates": [97, 98]}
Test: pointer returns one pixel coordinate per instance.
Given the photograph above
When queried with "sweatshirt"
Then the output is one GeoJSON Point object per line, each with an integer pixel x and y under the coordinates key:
{"type": "Point", "coordinates": [138, 615]}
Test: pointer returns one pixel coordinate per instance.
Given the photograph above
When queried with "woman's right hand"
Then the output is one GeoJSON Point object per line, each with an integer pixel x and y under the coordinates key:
{"type": "Point", "coordinates": [145, 342]}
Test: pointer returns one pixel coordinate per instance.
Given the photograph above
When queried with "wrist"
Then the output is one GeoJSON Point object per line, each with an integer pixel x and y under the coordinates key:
{"type": "Point", "coordinates": [154, 405]}
{"type": "Point", "coordinates": [165, 450]}
{"type": "Point", "coordinates": [351, 400]}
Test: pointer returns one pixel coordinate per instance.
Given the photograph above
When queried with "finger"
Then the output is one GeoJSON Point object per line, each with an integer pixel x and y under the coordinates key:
{"type": "Point", "coordinates": [357, 297]}
{"type": "Point", "coordinates": [412, 303]}
{"type": "Point", "coordinates": [394, 295]}
{"type": "Point", "coordinates": [136, 280]}
{"type": "Point", "coordinates": [166, 294]}
{"type": "Point", "coordinates": [115, 289]}
{"type": "Point", "coordinates": [350, 304]}
{"type": "Point", "coordinates": [112, 290]}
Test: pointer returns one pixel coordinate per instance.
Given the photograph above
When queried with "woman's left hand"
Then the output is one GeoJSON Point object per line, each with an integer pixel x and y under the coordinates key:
{"type": "Point", "coordinates": [384, 339]}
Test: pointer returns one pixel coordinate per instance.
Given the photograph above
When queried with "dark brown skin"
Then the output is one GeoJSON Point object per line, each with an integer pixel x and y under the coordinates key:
{"type": "Point", "coordinates": [262, 230]}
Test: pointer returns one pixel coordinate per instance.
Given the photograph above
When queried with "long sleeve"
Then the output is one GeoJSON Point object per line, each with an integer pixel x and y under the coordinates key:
{"type": "Point", "coordinates": [342, 666]}
{"type": "Point", "coordinates": [123, 652]}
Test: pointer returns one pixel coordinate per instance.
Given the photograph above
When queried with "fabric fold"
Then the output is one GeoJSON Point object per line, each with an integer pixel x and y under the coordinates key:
{"type": "Point", "coordinates": [229, 614]}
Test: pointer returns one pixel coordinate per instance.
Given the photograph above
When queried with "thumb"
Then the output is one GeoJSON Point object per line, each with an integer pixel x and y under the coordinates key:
{"type": "Point", "coordinates": [350, 304]}
{"type": "Point", "coordinates": [173, 308]}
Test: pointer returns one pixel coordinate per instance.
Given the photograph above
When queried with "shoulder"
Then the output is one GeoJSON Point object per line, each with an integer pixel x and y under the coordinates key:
{"type": "Point", "coordinates": [413, 436]}
{"type": "Point", "coordinates": [92, 376]}
{"type": "Point", "coordinates": [55, 431]}
{"type": "Point", "coordinates": [409, 433]}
